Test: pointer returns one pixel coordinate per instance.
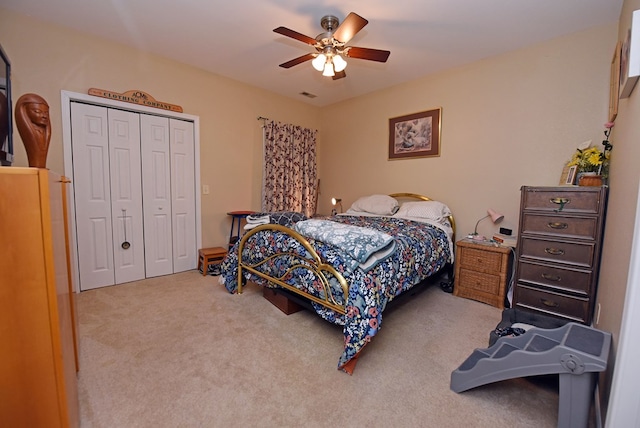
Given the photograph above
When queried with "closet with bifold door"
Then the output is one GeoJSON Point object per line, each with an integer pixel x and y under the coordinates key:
{"type": "Point", "coordinates": [134, 193]}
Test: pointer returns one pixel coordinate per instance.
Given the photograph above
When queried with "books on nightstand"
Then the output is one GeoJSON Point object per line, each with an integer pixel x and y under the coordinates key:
{"type": "Point", "coordinates": [506, 240]}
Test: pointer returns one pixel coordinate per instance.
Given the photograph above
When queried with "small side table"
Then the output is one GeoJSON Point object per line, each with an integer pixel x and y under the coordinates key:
{"type": "Point", "coordinates": [482, 271]}
{"type": "Point", "coordinates": [237, 215]}
{"type": "Point", "coordinates": [210, 256]}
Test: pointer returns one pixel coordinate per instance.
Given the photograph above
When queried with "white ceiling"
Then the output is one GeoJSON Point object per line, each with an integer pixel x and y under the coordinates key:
{"type": "Point", "coordinates": [235, 38]}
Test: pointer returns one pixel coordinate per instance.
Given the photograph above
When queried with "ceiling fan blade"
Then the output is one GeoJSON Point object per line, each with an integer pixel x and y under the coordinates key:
{"type": "Point", "coordinates": [295, 35]}
{"type": "Point", "coordinates": [366, 53]}
{"type": "Point", "coordinates": [339, 75]}
{"type": "Point", "coordinates": [349, 27]}
{"type": "Point", "coordinates": [297, 61]}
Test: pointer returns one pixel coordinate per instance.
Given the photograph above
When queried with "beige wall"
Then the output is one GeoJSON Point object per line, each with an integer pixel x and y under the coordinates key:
{"type": "Point", "coordinates": [46, 59]}
{"type": "Point", "coordinates": [507, 121]}
{"type": "Point", "coordinates": [625, 175]}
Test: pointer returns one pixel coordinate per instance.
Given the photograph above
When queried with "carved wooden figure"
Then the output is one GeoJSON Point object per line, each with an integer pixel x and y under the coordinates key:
{"type": "Point", "coordinates": [32, 119]}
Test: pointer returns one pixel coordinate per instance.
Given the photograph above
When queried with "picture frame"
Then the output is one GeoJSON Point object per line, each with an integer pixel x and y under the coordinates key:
{"type": "Point", "coordinates": [630, 57]}
{"type": "Point", "coordinates": [415, 135]}
{"type": "Point", "coordinates": [614, 83]}
{"type": "Point", "coordinates": [568, 176]}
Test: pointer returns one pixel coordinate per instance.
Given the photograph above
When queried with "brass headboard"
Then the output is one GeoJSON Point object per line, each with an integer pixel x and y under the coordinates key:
{"type": "Point", "coordinates": [425, 198]}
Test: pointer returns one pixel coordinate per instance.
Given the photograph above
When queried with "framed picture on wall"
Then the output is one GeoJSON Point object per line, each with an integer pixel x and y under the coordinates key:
{"type": "Point", "coordinates": [415, 135]}
{"type": "Point", "coordinates": [630, 57]}
{"type": "Point", "coordinates": [614, 83]}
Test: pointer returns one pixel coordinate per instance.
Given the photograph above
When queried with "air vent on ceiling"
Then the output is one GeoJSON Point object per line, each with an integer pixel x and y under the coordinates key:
{"type": "Point", "coordinates": [307, 94]}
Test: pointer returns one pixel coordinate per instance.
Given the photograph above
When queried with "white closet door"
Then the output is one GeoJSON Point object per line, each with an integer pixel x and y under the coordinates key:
{"type": "Point", "coordinates": [156, 188]}
{"type": "Point", "coordinates": [126, 195]}
{"type": "Point", "coordinates": [90, 141]}
{"type": "Point", "coordinates": [183, 190]}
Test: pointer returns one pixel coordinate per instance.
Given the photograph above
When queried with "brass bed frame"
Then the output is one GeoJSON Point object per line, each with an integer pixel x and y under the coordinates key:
{"type": "Point", "coordinates": [313, 264]}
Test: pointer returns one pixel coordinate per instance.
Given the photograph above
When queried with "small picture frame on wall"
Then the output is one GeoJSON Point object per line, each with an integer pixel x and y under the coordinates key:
{"type": "Point", "coordinates": [415, 135]}
{"type": "Point", "coordinates": [568, 176]}
{"type": "Point", "coordinates": [630, 57]}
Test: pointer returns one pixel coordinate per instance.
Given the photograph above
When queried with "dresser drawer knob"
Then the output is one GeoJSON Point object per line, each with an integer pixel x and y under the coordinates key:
{"type": "Point", "coordinates": [549, 303]}
{"type": "Point", "coordinates": [557, 225]}
{"type": "Point", "coordinates": [548, 277]}
{"type": "Point", "coordinates": [560, 201]}
{"type": "Point", "coordinates": [554, 251]}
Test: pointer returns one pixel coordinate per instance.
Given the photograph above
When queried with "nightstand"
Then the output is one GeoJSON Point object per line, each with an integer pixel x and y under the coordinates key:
{"type": "Point", "coordinates": [482, 271]}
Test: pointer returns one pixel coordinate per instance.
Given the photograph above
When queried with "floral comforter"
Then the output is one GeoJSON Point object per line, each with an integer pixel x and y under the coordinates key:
{"type": "Point", "coordinates": [421, 250]}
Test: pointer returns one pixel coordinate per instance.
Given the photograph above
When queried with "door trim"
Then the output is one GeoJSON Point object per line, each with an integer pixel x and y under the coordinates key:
{"type": "Point", "coordinates": [67, 97]}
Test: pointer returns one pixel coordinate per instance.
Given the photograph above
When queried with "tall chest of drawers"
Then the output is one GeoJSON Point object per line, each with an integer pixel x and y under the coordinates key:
{"type": "Point", "coordinates": [558, 252]}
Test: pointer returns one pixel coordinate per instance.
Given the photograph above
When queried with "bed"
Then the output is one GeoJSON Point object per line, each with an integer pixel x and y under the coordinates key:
{"type": "Point", "coordinates": [349, 266]}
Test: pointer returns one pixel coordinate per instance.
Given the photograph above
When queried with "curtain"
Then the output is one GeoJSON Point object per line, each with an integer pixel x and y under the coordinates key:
{"type": "Point", "coordinates": [290, 175]}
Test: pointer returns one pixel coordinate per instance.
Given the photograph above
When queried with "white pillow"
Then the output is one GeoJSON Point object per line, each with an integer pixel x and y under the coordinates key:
{"type": "Point", "coordinates": [430, 210]}
{"type": "Point", "coordinates": [376, 204]}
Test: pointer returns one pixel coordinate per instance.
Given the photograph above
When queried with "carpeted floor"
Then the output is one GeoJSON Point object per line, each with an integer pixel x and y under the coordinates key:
{"type": "Point", "coordinates": [180, 351]}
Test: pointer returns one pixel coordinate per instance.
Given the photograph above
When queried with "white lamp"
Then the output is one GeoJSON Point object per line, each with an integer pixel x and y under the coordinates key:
{"type": "Point", "coordinates": [496, 217]}
{"type": "Point", "coordinates": [339, 63]}
{"type": "Point", "coordinates": [334, 202]}
{"type": "Point", "coordinates": [328, 69]}
{"type": "Point", "coordinates": [318, 62]}
{"type": "Point", "coordinates": [329, 62]}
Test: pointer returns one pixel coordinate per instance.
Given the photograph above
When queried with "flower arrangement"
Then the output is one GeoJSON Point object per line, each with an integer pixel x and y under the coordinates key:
{"type": "Point", "coordinates": [587, 160]}
{"type": "Point", "coordinates": [592, 159]}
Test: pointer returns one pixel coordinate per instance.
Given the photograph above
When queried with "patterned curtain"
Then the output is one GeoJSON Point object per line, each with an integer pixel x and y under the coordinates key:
{"type": "Point", "coordinates": [290, 176]}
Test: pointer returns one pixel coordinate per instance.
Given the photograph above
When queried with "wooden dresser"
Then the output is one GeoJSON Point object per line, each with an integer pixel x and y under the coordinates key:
{"type": "Point", "coordinates": [38, 362]}
{"type": "Point", "coordinates": [558, 250]}
{"type": "Point", "coordinates": [482, 271]}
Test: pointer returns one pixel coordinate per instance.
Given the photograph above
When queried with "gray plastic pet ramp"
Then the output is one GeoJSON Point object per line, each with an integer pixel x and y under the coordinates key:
{"type": "Point", "coordinates": [574, 351]}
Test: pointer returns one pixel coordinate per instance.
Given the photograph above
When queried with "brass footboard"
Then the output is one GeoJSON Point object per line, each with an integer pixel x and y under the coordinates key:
{"type": "Point", "coordinates": [314, 264]}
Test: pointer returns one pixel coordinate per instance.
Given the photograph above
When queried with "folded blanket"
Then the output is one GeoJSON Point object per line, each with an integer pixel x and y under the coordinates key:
{"type": "Point", "coordinates": [260, 219]}
{"type": "Point", "coordinates": [255, 220]}
{"type": "Point", "coordinates": [284, 218]}
{"type": "Point", "coordinates": [360, 246]}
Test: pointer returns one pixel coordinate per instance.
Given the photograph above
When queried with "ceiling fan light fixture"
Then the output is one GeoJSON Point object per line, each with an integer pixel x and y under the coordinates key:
{"type": "Point", "coordinates": [328, 69]}
{"type": "Point", "coordinates": [331, 48]}
{"type": "Point", "coordinates": [319, 61]}
{"type": "Point", "coordinates": [339, 63]}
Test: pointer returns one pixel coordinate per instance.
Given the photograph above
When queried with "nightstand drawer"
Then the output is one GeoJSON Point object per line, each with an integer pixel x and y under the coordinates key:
{"type": "Point", "coordinates": [553, 199]}
{"type": "Point", "coordinates": [480, 260]}
{"type": "Point", "coordinates": [577, 281]}
{"type": "Point", "coordinates": [568, 227]}
{"type": "Point", "coordinates": [479, 281]}
{"type": "Point", "coordinates": [578, 254]}
{"type": "Point", "coordinates": [573, 308]}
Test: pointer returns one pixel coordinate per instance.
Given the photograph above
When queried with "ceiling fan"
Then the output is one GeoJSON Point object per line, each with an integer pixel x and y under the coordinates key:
{"type": "Point", "coordinates": [331, 46]}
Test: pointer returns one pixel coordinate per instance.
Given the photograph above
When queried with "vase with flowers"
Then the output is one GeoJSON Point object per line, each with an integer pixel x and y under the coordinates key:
{"type": "Point", "coordinates": [593, 163]}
